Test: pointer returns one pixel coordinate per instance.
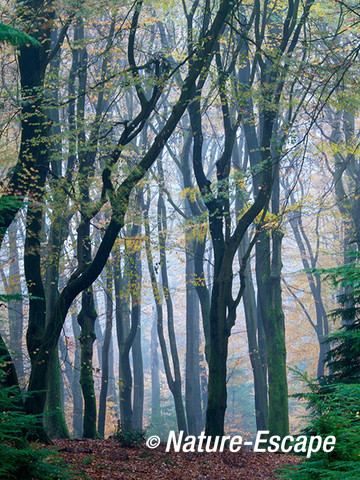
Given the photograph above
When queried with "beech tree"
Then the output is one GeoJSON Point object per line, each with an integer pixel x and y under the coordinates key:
{"type": "Point", "coordinates": [226, 234]}
{"type": "Point", "coordinates": [43, 336]}
{"type": "Point", "coordinates": [123, 129]}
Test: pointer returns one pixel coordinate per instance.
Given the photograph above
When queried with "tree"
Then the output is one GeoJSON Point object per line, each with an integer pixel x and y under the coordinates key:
{"type": "Point", "coordinates": [173, 379]}
{"type": "Point", "coordinates": [86, 273]}
{"type": "Point", "coordinates": [226, 234]}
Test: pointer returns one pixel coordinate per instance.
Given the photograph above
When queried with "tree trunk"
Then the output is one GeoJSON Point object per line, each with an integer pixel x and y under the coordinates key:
{"type": "Point", "coordinates": [122, 296]}
{"type": "Point", "coordinates": [105, 355]}
{"type": "Point", "coordinates": [173, 383]}
{"type": "Point", "coordinates": [136, 284]}
{"type": "Point", "coordinates": [192, 373]}
{"type": "Point", "coordinates": [218, 351]}
{"type": "Point", "coordinates": [138, 380]}
{"type": "Point", "coordinates": [268, 275]}
{"type": "Point", "coordinates": [29, 173]}
{"type": "Point", "coordinates": [75, 386]}
{"type": "Point", "coordinates": [112, 385]}
{"type": "Point", "coordinates": [251, 318]}
{"type": "Point", "coordinates": [86, 320]}
{"type": "Point", "coordinates": [54, 421]}
{"type": "Point", "coordinates": [176, 386]}
{"type": "Point", "coordinates": [155, 380]}
{"type": "Point", "coordinates": [15, 305]}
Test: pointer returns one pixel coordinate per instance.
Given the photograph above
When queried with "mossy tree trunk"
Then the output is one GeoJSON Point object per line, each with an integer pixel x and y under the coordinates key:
{"type": "Point", "coordinates": [86, 320]}
{"type": "Point", "coordinates": [268, 275]}
{"type": "Point", "coordinates": [54, 421]}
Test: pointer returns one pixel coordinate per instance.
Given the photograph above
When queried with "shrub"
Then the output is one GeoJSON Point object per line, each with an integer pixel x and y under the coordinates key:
{"type": "Point", "coordinates": [334, 410]}
{"type": "Point", "coordinates": [129, 437]}
{"type": "Point", "coordinates": [18, 458]}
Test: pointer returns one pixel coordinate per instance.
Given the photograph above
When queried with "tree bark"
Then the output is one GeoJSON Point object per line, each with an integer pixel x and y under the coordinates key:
{"type": "Point", "coordinates": [256, 359]}
{"type": "Point", "coordinates": [268, 275]}
{"type": "Point", "coordinates": [30, 170]}
{"type": "Point", "coordinates": [192, 368]}
{"type": "Point", "coordinates": [155, 380]}
{"type": "Point", "coordinates": [75, 385]}
{"type": "Point", "coordinates": [15, 307]}
{"type": "Point", "coordinates": [86, 320]}
{"type": "Point", "coordinates": [105, 355]}
{"type": "Point", "coordinates": [54, 421]}
{"type": "Point", "coordinates": [174, 382]}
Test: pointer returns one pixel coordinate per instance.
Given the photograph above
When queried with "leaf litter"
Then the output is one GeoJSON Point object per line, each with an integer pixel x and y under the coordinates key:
{"type": "Point", "coordinates": [107, 460]}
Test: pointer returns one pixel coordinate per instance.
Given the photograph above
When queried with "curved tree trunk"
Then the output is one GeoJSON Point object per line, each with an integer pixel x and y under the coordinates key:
{"type": "Point", "coordinates": [174, 383]}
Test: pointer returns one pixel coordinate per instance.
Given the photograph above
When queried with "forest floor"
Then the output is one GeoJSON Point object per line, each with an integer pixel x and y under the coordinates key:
{"type": "Point", "coordinates": [106, 459]}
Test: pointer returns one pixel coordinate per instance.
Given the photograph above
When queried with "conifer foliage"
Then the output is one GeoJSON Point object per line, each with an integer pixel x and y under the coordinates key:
{"type": "Point", "coordinates": [333, 400]}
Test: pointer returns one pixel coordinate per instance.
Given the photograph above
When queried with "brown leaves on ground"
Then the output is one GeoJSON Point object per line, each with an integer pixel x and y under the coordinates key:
{"type": "Point", "coordinates": [106, 459]}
